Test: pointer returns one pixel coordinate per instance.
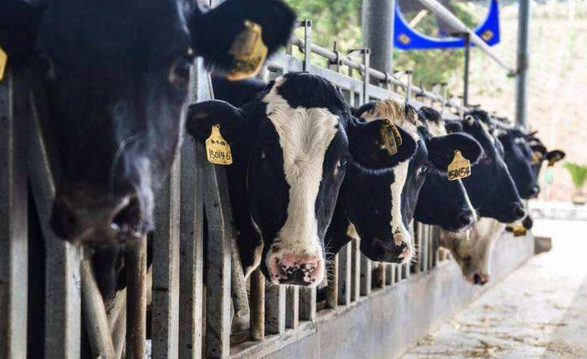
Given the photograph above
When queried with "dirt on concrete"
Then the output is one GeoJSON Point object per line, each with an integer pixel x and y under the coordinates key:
{"type": "Point", "coordinates": [539, 311]}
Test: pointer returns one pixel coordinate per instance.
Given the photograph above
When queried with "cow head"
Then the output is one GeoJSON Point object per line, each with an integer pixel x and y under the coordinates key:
{"type": "Point", "coordinates": [115, 76]}
{"type": "Point", "coordinates": [293, 146]}
{"type": "Point", "coordinates": [384, 206]}
{"type": "Point", "coordinates": [490, 187]}
{"type": "Point", "coordinates": [518, 158]}
{"type": "Point", "coordinates": [540, 154]}
{"type": "Point", "coordinates": [440, 201]}
{"type": "Point", "coordinates": [472, 250]}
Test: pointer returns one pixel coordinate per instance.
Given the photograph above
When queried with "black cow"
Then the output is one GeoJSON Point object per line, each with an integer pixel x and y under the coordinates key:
{"type": "Point", "coordinates": [291, 146]}
{"type": "Point", "coordinates": [116, 75]}
{"type": "Point", "coordinates": [541, 154]}
{"type": "Point", "coordinates": [381, 205]}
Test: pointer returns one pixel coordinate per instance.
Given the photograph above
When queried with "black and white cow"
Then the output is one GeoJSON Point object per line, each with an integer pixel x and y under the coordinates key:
{"type": "Point", "coordinates": [494, 195]}
{"type": "Point", "coordinates": [380, 206]}
{"type": "Point", "coordinates": [111, 79]}
{"type": "Point", "coordinates": [291, 146]}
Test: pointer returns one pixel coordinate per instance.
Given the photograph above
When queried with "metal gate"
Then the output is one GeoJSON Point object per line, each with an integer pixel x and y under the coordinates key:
{"type": "Point", "coordinates": [189, 319]}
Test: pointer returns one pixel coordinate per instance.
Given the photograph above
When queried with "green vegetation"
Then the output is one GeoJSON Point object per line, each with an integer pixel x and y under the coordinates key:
{"type": "Point", "coordinates": [578, 174]}
{"type": "Point", "coordinates": [340, 21]}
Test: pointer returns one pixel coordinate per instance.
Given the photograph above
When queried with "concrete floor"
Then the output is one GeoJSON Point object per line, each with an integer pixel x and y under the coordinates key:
{"type": "Point", "coordinates": [539, 311]}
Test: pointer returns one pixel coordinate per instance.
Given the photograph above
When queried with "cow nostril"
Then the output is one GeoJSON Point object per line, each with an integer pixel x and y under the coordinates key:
{"type": "Point", "coordinates": [466, 219]}
{"type": "Point", "coordinates": [534, 190]}
{"type": "Point", "coordinates": [127, 221]}
{"type": "Point", "coordinates": [476, 278]}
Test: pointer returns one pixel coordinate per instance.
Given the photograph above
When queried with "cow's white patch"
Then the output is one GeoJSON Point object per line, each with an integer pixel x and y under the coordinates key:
{"type": "Point", "coordinates": [304, 136]}
{"type": "Point", "coordinates": [436, 128]}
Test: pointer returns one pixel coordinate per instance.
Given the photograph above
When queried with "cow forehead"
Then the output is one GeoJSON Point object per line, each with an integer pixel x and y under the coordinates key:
{"type": "Point", "coordinates": [100, 31]}
{"type": "Point", "coordinates": [436, 128]}
{"type": "Point", "coordinates": [395, 110]}
{"type": "Point", "coordinates": [304, 133]}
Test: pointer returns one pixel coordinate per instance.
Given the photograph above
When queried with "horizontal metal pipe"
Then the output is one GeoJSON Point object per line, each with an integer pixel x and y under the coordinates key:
{"type": "Point", "coordinates": [346, 61]}
{"type": "Point", "coordinates": [460, 27]}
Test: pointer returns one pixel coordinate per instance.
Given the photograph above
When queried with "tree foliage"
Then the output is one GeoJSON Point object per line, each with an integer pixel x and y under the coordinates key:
{"type": "Point", "coordinates": [340, 21]}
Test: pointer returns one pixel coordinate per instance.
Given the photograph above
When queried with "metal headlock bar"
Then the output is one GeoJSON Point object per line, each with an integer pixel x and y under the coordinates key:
{"type": "Point", "coordinates": [459, 27]}
{"type": "Point", "coordinates": [189, 318]}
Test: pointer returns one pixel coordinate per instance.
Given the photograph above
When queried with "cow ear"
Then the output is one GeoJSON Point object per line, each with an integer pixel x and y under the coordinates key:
{"type": "Point", "coordinates": [441, 149]}
{"type": "Point", "coordinates": [366, 145]}
{"type": "Point", "coordinates": [359, 111]}
{"type": "Point", "coordinates": [453, 126]}
{"type": "Point", "coordinates": [554, 156]}
{"type": "Point", "coordinates": [19, 25]}
{"type": "Point", "coordinates": [202, 116]}
{"type": "Point", "coordinates": [218, 33]}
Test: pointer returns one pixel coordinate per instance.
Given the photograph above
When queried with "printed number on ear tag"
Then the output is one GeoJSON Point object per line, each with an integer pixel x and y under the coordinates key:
{"type": "Point", "coordinates": [217, 149]}
{"type": "Point", "coordinates": [249, 52]}
{"type": "Point", "coordinates": [460, 167]}
{"type": "Point", "coordinates": [3, 61]}
{"type": "Point", "coordinates": [391, 138]}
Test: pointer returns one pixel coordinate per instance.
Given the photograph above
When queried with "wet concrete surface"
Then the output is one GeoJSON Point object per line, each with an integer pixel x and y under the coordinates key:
{"type": "Point", "coordinates": [539, 311]}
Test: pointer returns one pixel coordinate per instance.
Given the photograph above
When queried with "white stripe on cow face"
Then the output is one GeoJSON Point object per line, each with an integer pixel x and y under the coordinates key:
{"type": "Point", "coordinates": [304, 136]}
{"type": "Point", "coordinates": [394, 110]}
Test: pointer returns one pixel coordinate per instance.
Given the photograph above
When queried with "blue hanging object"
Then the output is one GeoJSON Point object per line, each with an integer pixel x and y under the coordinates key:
{"type": "Point", "coordinates": [549, 175]}
{"type": "Point", "coordinates": [406, 38]}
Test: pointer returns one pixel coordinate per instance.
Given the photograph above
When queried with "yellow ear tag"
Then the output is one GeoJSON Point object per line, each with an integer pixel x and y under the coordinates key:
{"type": "Point", "coordinates": [3, 61]}
{"type": "Point", "coordinates": [217, 149]}
{"type": "Point", "coordinates": [460, 167]}
{"type": "Point", "coordinates": [519, 230]}
{"type": "Point", "coordinates": [249, 52]}
{"type": "Point", "coordinates": [391, 137]}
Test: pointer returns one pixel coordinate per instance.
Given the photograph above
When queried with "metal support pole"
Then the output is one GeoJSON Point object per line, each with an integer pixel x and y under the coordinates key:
{"type": "Point", "coordinates": [378, 33]}
{"type": "Point", "coordinates": [467, 39]}
{"type": "Point", "coordinates": [523, 63]}
{"type": "Point", "coordinates": [307, 24]}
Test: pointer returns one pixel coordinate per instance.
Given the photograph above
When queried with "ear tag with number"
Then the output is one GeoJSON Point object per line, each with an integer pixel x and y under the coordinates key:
{"type": "Point", "coordinates": [3, 61]}
{"type": "Point", "coordinates": [460, 167]}
{"type": "Point", "coordinates": [217, 149]}
{"type": "Point", "coordinates": [391, 137]}
{"type": "Point", "coordinates": [249, 52]}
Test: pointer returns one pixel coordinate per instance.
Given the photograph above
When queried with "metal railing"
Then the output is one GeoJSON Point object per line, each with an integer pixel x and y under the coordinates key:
{"type": "Point", "coordinates": [190, 318]}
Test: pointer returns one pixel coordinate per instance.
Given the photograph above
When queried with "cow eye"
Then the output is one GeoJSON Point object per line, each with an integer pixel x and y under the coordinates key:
{"type": "Point", "coordinates": [180, 72]}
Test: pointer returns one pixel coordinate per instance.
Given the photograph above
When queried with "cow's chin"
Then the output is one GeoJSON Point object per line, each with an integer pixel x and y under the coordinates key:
{"type": "Point", "coordinates": [285, 266]}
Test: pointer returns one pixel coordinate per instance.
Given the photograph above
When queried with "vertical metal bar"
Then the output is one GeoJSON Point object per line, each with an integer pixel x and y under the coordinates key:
{"type": "Point", "coordinates": [257, 305]}
{"type": "Point", "coordinates": [523, 62]}
{"type": "Point", "coordinates": [62, 268]}
{"type": "Point", "coordinates": [13, 217]}
{"type": "Point", "coordinates": [332, 288]}
{"type": "Point", "coordinates": [390, 274]}
{"type": "Point", "coordinates": [409, 85]}
{"type": "Point", "coordinates": [308, 304]}
{"type": "Point", "coordinates": [344, 275]}
{"type": "Point", "coordinates": [366, 75]}
{"type": "Point", "coordinates": [275, 309]}
{"type": "Point", "coordinates": [377, 29]}
{"type": "Point", "coordinates": [240, 300]}
{"type": "Point", "coordinates": [165, 310]}
{"type": "Point", "coordinates": [136, 299]}
{"type": "Point", "coordinates": [366, 280]}
{"type": "Point", "coordinates": [95, 313]}
{"type": "Point", "coordinates": [356, 271]}
{"type": "Point", "coordinates": [191, 250]}
{"type": "Point", "coordinates": [467, 39]}
{"type": "Point", "coordinates": [380, 275]}
{"type": "Point", "coordinates": [292, 315]}
{"type": "Point", "coordinates": [307, 24]}
{"type": "Point", "coordinates": [218, 268]}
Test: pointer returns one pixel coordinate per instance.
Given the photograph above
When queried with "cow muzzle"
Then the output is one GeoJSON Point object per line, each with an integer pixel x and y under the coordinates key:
{"type": "Point", "coordinates": [295, 268]}
{"type": "Point", "coordinates": [479, 279]}
{"type": "Point", "coordinates": [98, 220]}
